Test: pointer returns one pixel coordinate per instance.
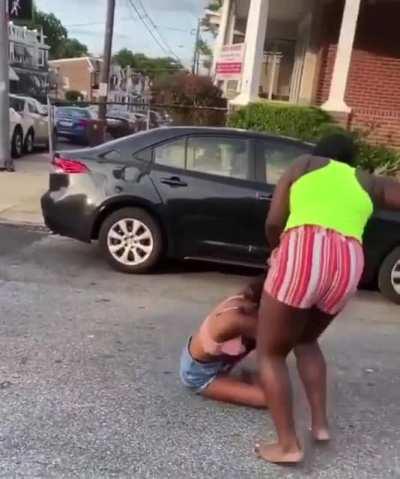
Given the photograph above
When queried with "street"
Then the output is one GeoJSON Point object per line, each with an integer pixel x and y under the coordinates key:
{"type": "Point", "coordinates": [89, 385]}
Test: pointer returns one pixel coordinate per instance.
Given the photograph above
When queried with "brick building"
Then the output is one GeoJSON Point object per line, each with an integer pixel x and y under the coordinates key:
{"type": "Point", "coordinates": [80, 74]}
{"type": "Point", "coordinates": [342, 55]}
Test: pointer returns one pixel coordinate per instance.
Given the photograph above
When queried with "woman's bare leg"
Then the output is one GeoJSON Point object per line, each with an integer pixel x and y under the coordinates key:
{"type": "Point", "coordinates": [233, 390]}
{"type": "Point", "coordinates": [312, 370]}
{"type": "Point", "coordinates": [279, 329]}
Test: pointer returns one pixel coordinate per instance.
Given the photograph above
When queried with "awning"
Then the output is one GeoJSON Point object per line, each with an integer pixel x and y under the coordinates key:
{"type": "Point", "coordinates": [12, 75]}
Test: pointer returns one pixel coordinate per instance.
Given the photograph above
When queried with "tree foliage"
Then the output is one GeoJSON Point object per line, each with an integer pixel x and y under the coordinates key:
{"type": "Point", "coordinates": [73, 48]}
{"type": "Point", "coordinates": [186, 89]}
{"type": "Point", "coordinates": [154, 67]}
{"type": "Point", "coordinates": [61, 46]}
{"type": "Point", "coordinates": [73, 95]}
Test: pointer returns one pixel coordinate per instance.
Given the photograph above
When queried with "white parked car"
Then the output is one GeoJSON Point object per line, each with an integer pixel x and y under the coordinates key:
{"type": "Point", "coordinates": [16, 134]}
{"type": "Point", "coordinates": [35, 121]}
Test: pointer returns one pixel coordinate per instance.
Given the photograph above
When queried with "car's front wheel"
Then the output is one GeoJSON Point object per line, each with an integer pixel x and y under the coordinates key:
{"type": "Point", "coordinates": [131, 240]}
{"type": "Point", "coordinates": [17, 143]}
{"type": "Point", "coordinates": [389, 276]}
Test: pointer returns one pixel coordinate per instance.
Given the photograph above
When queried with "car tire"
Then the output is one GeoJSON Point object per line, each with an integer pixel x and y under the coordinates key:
{"type": "Point", "coordinates": [140, 239]}
{"type": "Point", "coordinates": [17, 143]}
{"type": "Point", "coordinates": [389, 276]}
{"type": "Point", "coordinates": [29, 142]}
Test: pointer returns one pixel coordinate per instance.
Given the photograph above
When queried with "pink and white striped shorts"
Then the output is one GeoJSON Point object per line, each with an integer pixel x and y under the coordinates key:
{"type": "Point", "coordinates": [315, 267]}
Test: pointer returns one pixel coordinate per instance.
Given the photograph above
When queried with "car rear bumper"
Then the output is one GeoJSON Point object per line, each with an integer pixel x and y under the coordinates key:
{"type": "Point", "coordinates": [70, 216]}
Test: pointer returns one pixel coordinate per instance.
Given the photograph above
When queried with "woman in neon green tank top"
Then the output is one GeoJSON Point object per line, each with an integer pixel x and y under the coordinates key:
{"type": "Point", "coordinates": [315, 225]}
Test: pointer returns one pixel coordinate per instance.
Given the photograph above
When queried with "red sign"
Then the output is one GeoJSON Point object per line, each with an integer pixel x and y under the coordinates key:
{"type": "Point", "coordinates": [230, 62]}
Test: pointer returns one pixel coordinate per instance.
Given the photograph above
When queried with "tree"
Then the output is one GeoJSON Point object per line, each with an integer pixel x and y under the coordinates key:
{"type": "Point", "coordinates": [189, 92]}
{"type": "Point", "coordinates": [56, 36]}
{"type": "Point", "coordinates": [73, 48]}
{"type": "Point", "coordinates": [153, 67]}
{"type": "Point", "coordinates": [186, 89]}
{"type": "Point", "coordinates": [54, 30]}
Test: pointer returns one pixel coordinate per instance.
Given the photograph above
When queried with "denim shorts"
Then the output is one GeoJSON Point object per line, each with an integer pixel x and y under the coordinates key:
{"type": "Point", "coordinates": [198, 376]}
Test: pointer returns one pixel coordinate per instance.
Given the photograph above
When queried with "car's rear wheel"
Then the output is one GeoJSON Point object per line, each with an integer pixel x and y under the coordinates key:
{"type": "Point", "coordinates": [389, 276]}
{"type": "Point", "coordinates": [131, 240]}
{"type": "Point", "coordinates": [29, 142]}
{"type": "Point", "coordinates": [17, 143]}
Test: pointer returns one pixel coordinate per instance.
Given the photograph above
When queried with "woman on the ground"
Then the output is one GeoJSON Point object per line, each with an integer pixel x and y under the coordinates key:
{"type": "Point", "coordinates": [315, 224]}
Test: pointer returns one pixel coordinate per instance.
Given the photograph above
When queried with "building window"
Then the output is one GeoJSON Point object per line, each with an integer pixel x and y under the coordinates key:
{"type": "Point", "coordinates": [42, 61]}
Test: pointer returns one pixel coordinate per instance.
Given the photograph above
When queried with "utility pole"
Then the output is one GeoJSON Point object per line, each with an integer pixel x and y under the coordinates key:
{"type": "Point", "coordinates": [105, 70]}
{"type": "Point", "coordinates": [196, 55]}
{"type": "Point", "coordinates": [6, 162]}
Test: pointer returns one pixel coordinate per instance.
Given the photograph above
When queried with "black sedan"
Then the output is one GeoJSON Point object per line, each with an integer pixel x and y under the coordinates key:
{"type": "Point", "coordinates": [198, 193]}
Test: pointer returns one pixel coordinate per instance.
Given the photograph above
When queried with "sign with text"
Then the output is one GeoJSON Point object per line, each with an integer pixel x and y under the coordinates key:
{"type": "Point", "coordinates": [230, 62]}
{"type": "Point", "coordinates": [20, 9]}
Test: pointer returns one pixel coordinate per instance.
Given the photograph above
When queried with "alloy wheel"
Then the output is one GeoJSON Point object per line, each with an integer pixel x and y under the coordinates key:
{"type": "Point", "coordinates": [29, 143]}
{"type": "Point", "coordinates": [395, 277]}
{"type": "Point", "coordinates": [130, 241]}
{"type": "Point", "coordinates": [18, 144]}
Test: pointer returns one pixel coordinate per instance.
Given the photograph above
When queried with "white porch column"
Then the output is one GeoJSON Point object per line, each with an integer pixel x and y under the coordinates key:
{"type": "Point", "coordinates": [222, 32]}
{"type": "Point", "coordinates": [256, 30]}
{"type": "Point", "coordinates": [336, 102]}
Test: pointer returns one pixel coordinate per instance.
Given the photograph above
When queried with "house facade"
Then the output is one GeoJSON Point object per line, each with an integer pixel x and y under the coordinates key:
{"type": "Point", "coordinates": [28, 59]}
{"type": "Point", "coordinates": [341, 55]}
{"type": "Point", "coordinates": [80, 74]}
{"type": "Point", "coordinates": [130, 88]}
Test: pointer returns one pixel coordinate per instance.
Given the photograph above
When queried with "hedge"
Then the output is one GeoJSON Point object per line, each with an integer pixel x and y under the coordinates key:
{"type": "Point", "coordinates": [310, 124]}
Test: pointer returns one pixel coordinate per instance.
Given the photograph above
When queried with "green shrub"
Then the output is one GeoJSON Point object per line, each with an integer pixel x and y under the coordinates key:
{"type": "Point", "coordinates": [304, 123]}
{"type": "Point", "coordinates": [310, 124]}
{"type": "Point", "coordinates": [73, 95]}
{"type": "Point", "coordinates": [378, 158]}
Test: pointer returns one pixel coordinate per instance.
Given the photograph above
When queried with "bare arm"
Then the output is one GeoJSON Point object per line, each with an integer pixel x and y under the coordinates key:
{"type": "Point", "coordinates": [280, 209]}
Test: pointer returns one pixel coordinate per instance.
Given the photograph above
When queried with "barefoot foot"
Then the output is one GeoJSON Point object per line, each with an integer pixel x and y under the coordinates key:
{"type": "Point", "coordinates": [321, 434]}
{"type": "Point", "coordinates": [277, 454]}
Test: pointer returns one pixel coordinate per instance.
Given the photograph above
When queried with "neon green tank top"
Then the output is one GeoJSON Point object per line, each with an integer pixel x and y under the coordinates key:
{"type": "Point", "coordinates": [330, 197]}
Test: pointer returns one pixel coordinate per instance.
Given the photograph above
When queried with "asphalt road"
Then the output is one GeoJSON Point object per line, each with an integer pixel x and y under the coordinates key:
{"type": "Point", "coordinates": [89, 388]}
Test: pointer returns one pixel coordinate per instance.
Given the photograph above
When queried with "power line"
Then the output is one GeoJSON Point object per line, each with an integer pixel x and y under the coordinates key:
{"type": "Point", "coordinates": [163, 27]}
{"type": "Point", "coordinates": [130, 2]}
{"type": "Point", "coordinates": [152, 23]}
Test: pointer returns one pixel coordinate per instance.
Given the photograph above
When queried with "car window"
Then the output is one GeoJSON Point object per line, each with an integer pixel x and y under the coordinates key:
{"type": "Point", "coordinates": [112, 155]}
{"type": "Point", "coordinates": [171, 154]}
{"type": "Point", "coordinates": [219, 156]}
{"type": "Point", "coordinates": [17, 104]}
{"type": "Point", "coordinates": [278, 156]}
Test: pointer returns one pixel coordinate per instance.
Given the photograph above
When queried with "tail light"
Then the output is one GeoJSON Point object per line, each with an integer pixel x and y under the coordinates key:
{"type": "Point", "coordinates": [63, 164]}
{"type": "Point", "coordinates": [83, 123]}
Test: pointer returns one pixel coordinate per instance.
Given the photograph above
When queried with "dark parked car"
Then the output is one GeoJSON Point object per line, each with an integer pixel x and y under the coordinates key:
{"type": "Point", "coordinates": [74, 124]}
{"type": "Point", "coordinates": [200, 193]}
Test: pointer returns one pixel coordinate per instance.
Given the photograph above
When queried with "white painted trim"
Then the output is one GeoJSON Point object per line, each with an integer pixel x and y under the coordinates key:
{"type": "Point", "coordinates": [222, 32]}
{"type": "Point", "coordinates": [336, 101]}
{"type": "Point", "coordinates": [256, 31]}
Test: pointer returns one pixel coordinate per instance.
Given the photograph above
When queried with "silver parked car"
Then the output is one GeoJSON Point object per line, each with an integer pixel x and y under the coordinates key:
{"type": "Point", "coordinates": [35, 119]}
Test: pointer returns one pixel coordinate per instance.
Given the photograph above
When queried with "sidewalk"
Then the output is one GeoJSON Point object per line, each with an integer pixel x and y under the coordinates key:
{"type": "Point", "coordinates": [20, 192]}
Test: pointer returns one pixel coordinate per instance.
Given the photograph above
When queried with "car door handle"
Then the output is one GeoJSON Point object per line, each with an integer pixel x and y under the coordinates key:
{"type": "Point", "coordinates": [264, 196]}
{"type": "Point", "coordinates": [173, 181]}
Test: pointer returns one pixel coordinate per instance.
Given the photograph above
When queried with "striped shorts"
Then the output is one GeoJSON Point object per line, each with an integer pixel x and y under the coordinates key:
{"type": "Point", "coordinates": [315, 267]}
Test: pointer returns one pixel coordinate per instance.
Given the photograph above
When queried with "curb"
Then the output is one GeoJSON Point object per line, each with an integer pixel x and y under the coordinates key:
{"type": "Point", "coordinates": [35, 227]}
